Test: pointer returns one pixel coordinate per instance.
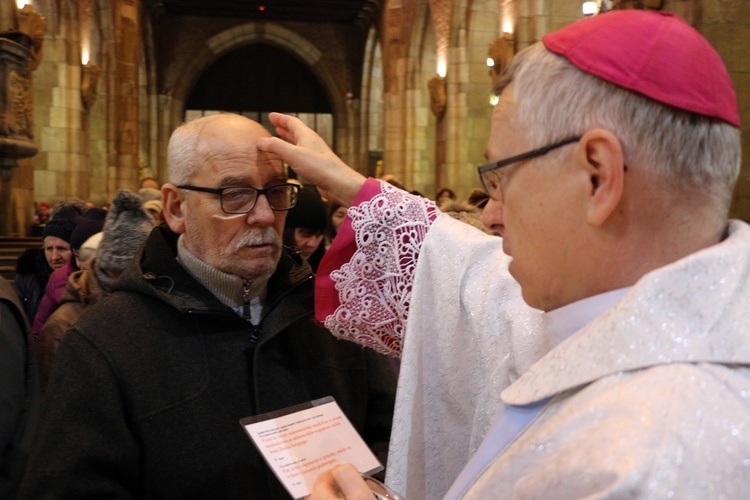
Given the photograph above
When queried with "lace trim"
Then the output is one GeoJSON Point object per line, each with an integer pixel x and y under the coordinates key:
{"type": "Point", "coordinates": [375, 286]}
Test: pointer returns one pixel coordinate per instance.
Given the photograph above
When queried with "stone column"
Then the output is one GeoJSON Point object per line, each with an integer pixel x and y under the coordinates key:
{"type": "Point", "coordinates": [126, 92]}
{"type": "Point", "coordinates": [20, 51]}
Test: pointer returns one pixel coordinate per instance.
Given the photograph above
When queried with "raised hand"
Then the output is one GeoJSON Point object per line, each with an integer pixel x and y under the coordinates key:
{"type": "Point", "coordinates": [308, 155]}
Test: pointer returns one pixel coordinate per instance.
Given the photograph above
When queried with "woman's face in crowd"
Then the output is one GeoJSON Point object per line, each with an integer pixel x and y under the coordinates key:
{"type": "Point", "coordinates": [57, 251]}
{"type": "Point", "coordinates": [337, 218]}
{"type": "Point", "coordinates": [307, 240]}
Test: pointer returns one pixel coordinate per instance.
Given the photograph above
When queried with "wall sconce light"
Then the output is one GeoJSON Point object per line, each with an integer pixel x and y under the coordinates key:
{"type": "Point", "coordinates": [589, 8]}
{"type": "Point", "coordinates": [442, 68]}
{"type": "Point", "coordinates": [89, 80]}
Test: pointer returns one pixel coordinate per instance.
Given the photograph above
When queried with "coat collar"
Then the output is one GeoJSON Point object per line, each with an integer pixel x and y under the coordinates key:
{"type": "Point", "coordinates": [691, 311]}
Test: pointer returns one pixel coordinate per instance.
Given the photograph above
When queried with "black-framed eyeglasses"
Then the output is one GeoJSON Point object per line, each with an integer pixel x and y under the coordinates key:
{"type": "Point", "coordinates": [241, 200]}
{"type": "Point", "coordinates": [492, 177]}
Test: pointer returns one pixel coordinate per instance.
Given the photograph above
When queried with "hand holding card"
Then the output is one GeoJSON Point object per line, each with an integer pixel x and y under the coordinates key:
{"type": "Point", "coordinates": [301, 442]}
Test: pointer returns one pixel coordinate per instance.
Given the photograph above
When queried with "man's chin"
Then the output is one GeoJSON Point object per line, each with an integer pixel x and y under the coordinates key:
{"type": "Point", "coordinates": [253, 269]}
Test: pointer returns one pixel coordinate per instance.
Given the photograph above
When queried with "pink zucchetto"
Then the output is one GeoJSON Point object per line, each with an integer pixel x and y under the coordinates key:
{"type": "Point", "coordinates": [655, 54]}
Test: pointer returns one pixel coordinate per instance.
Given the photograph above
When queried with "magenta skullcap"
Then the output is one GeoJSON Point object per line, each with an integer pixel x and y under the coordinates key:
{"type": "Point", "coordinates": [655, 54]}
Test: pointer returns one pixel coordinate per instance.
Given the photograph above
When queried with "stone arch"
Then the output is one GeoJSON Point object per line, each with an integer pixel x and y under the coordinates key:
{"type": "Point", "coordinates": [372, 120]}
{"type": "Point", "coordinates": [249, 33]}
{"type": "Point", "coordinates": [475, 25]}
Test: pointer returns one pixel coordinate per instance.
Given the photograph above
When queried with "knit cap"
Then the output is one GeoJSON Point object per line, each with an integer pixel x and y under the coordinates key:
{"type": "Point", "coordinates": [126, 228]}
{"type": "Point", "coordinates": [309, 212]}
{"type": "Point", "coordinates": [63, 223]}
{"type": "Point", "coordinates": [87, 225]}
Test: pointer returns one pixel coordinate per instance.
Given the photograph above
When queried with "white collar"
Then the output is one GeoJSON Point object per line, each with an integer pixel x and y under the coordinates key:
{"type": "Point", "coordinates": [561, 323]}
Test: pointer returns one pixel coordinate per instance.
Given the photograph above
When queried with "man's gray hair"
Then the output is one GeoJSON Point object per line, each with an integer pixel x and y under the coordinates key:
{"type": "Point", "coordinates": [682, 150]}
{"type": "Point", "coordinates": [181, 152]}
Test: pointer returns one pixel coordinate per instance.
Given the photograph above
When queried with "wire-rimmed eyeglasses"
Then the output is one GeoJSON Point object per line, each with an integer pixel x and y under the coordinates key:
{"type": "Point", "coordinates": [241, 200]}
{"type": "Point", "coordinates": [492, 177]}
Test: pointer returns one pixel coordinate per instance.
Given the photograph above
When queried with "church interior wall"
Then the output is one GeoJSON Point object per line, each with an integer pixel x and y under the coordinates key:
{"type": "Point", "coordinates": [377, 79]}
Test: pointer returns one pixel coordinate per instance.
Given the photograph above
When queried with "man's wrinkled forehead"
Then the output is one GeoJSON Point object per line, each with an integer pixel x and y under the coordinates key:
{"type": "Point", "coordinates": [230, 145]}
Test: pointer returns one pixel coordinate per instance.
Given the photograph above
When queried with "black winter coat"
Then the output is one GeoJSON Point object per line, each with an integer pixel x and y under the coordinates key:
{"type": "Point", "coordinates": [19, 392]}
{"type": "Point", "coordinates": [32, 274]}
{"type": "Point", "coordinates": [149, 386]}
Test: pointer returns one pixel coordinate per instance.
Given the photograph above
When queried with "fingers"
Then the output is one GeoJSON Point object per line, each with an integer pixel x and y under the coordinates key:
{"type": "Point", "coordinates": [343, 481]}
{"type": "Point", "coordinates": [325, 488]}
{"type": "Point", "coordinates": [311, 158]}
{"type": "Point", "coordinates": [350, 483]}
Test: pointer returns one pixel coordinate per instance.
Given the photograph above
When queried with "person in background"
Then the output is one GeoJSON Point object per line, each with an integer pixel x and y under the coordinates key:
{"type": "Point", "coordinates": [612, 167]}
{"type": "Point", "coordinates": [478, 198]}
{"type": "Point", "coordinates": [444, 195]}
{"type": "Point", "coordinates": [19, 391]}
{"type": "Point", "coordinates": [149, 183]}
{"type": "Point", "coordinates": [154, 209]}
{"type": "Point", "coordinates": [86, 226]}
{"type": "Point", "coordinates": [108, 253]}
{"type": "Point", "coordinates": [336, 216]}
{"type": "Point", "coordinates": [35, 266]}
{"type": "Point", "coordinates": [42, 214]}
{"type": "Point", "coordinates": [211, 322]}
{"type": "Point", "coordinates": [465, 212]}
{"type": "Point", "coordinates": [306, 225]}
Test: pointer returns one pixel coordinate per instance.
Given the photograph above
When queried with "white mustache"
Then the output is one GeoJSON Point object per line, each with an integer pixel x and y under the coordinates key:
{"type": "Point", "coordinates": [264, 236]}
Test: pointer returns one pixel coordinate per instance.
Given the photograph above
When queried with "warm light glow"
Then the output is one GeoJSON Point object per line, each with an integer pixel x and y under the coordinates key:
{"type": "Point", "coordinates": [494, 99]}
{"type": "Point", "coordinates": [22, 3]}
{"type": "Point", "coordinates": [442, 68]}
{"type": "Point", "coordinates": [589, 8]}
{"type": "Point", "coordinates": [490, 62]}
{"type": "Point", "coordinates": [508, 26]}
{"type": "Point", "coordinates": [85, 57]}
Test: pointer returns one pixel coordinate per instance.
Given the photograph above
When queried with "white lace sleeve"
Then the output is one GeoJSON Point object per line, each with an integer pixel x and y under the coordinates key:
{"type": "Point", "coordinates": [375, 286]}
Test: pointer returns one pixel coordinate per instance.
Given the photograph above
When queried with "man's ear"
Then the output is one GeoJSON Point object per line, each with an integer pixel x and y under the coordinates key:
{"type": "Point", "coordinates": [601, 154]}
{"type": "Point", "coordinates": [172, 207]}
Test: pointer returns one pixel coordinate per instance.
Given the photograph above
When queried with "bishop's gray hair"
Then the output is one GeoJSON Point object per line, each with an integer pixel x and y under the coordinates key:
{"type": "Point", "coordinates": [682, 150]}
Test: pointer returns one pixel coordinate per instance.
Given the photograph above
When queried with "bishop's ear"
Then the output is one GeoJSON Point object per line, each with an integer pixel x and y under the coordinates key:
{"type": "Point", "coordinates": [173, 206]}
{"type": "Point", "coordinates": [603, 158]}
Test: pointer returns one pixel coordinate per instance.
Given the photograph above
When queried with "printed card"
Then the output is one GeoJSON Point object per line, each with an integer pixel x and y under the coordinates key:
{"type": "Point", "coordinates": [302, 441]}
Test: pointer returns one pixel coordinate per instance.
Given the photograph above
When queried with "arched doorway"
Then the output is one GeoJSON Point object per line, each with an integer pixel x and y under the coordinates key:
{"type": "Point", "coordinates": [256, 79]}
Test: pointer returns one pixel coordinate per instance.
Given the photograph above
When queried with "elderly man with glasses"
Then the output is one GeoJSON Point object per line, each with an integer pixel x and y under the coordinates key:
{"type": "Point", "coordinates": [212, 322]}
{"type": "Point", "coordinates": [615, 147]}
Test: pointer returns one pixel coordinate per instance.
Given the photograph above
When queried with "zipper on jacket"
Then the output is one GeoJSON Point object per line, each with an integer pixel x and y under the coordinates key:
{"type": "Point", "coordinates": [246, 313]}
{"type": "Point", "coordinates": [246, 300]}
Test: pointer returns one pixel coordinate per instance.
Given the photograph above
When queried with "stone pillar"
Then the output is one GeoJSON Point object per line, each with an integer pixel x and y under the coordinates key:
{"type": "Point", "coordinates": [127, 40]}
{"type": "Point", "coordinates": [20, 52]}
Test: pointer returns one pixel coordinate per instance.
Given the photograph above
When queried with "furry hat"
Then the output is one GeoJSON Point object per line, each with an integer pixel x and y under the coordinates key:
{"type": "Point", "coordinates": [478, 198]}
{"type": "Point", "coordinates": [125, 229]}
{"type": "Point", "coordinates": [464, 212]}
{"type": "Point", "coordinates": [309, 212]}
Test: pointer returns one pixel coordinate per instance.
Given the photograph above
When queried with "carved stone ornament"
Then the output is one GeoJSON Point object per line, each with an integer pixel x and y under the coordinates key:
{"type": "Point", "coordinates": [33, 25]}
{"type": "Point", "coordinates": [89, 80]}
{"type": "Point", "coordinates": [438, 95]}
{"type": "Point", "coordinates": [15, 102]}
{"type": "Point", "coordinates": [501, 52]}
{"type": "Point", "coordinates": [21, 39]}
